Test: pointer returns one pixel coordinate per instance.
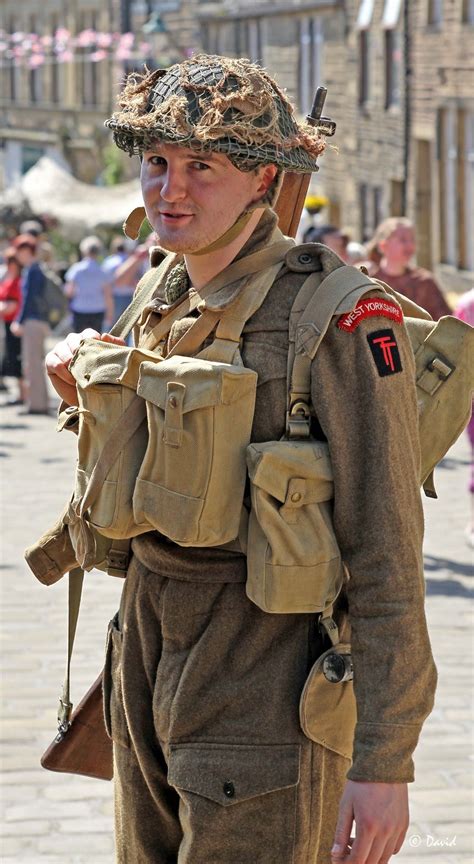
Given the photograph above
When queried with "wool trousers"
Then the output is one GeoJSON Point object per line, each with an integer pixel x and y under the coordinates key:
{"type": "Point", "coordinates": [33, 353]}
{"type": "Point", "coordinates": [201, 695]}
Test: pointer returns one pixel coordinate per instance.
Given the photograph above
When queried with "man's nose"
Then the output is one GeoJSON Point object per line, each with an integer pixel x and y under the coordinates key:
{"type": "Point", "coordinates": [173, 186]}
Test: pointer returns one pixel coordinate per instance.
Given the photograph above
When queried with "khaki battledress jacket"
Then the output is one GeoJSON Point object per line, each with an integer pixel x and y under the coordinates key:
{"type": "Point", "coordinates": [202, 687]}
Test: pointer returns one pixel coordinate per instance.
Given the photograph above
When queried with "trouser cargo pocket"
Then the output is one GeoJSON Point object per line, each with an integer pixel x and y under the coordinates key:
{"type": "Point", "coordinates": [114, 711]}
{"type": "Point", "coordinates": [238, 802]}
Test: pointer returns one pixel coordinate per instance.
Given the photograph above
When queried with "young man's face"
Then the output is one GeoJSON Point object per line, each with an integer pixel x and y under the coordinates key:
{"type": "Point", "coordinates": [191, 199]}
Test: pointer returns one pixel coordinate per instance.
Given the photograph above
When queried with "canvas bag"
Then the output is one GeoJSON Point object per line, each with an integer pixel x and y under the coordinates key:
{"type": "Point", "coordinates": [291, 566]}
{"type": "Point", "coordinates": [200, 413]}
{"type": "Point", "coordinates": [117, 427]}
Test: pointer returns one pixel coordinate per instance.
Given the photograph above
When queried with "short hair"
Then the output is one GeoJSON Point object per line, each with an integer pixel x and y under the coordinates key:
{"type": "Point", "coordinates": [90, 246]}
{"type": "Point", "coordinates": [317, 233]}
{"type": "Point", "coordinates": [23, 240]}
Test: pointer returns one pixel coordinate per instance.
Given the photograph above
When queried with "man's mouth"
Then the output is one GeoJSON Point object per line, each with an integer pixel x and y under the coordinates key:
{"type": "Point", "coordinates": [172, 217]}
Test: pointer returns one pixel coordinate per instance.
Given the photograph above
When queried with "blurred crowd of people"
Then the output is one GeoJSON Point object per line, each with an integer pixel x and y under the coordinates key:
{"type": "Point", "coordinates": [387, 256]}
{"type": "Point", "coordinates": [99, 287]}
{"type": "Point", "coordinates": [96, 291]}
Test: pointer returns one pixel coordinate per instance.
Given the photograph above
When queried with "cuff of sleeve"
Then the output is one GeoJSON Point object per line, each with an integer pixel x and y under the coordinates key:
{"type": "Point", "coordinates": [383, 753]}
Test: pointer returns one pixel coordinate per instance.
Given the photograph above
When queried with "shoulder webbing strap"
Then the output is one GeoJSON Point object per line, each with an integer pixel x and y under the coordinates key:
{"type": "Point", "coordinates": [232, 321]}
{"type": "Point", "coordinates": [337, 293]}
{"type": "Point", "coordinates": [143, 294]}
{"type": "Point", "coordinates": [243, 267]}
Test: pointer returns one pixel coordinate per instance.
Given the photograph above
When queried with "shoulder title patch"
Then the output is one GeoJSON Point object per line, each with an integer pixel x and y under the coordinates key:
{"type": "Point", "coordinates": [385, 352]}
{"type": "Point", "coordinates": [370, 307]}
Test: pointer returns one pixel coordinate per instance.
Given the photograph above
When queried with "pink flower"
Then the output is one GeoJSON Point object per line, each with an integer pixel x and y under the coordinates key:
{"type": "Point", "coordinates": [97, 56]}
{"type": "Point", "coordinates": [127, 40]}
{"type": "Point", "coordinates": [35, 61]}
{"type": "Point", "coordinates": [62, 35]}
{"type": "Point", "coordinates": [104, 40]}
{"type": "Point", "coordinates": [86, 38]}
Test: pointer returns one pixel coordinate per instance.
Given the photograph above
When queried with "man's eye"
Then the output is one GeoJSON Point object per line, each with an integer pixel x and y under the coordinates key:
{"type": "Point", "coordinates": [200, 166]}
{"type": "Point", "coordinates": [157, 160]}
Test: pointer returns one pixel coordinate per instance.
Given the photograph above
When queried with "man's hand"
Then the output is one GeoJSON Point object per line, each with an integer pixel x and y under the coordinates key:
{"type": "Point", "coordinates": [17, 329]}
{"type": "Point", "coordinates": [59, 358]}
{"type": "Point", "coordinates": [380, 813]}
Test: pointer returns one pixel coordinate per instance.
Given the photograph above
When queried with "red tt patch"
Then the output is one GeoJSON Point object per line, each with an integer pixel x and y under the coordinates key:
{"type": "Point", "coordinates": [385, 352]}
{"type": "Point", "coordinates": [370, 307]}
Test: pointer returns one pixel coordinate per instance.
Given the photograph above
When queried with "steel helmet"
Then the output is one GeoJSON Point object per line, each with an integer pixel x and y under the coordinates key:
{"type": "Point", "coordinates": [222, 104]}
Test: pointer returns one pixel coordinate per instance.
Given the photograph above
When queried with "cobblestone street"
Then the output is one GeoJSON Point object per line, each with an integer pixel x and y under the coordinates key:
{"type": "Point", "coordinates": [50, 817]}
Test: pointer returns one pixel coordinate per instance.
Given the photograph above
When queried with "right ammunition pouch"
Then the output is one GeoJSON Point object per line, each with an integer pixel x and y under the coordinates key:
{"type": "Point", "coordinates": [191, 482]}
{"type": "Point", "coordinates": [293, 560]}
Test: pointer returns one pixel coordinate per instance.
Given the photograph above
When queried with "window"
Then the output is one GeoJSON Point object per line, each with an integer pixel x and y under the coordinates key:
{"type": "Point", "coordinates": [310, 50]}
{"type": "Point", "coordinates": [30, 156]}
{"type": "Point", "coordinates": [448, 155]}
{"type": "Point", "coordinates": [370, 209]}
{"type": "Point", "coordinates": [364, 20]}
{"type": "Point", "coordinates": [393, 62]}
{"type": "Point", "coordinates": [364, 67]}
{"type": "Point", "coordinates": [14, 70]}
{"type": "Point", "coordinates": [456, 186]}
{"type": "Point", "coordinates": [57, 70]}
{"type": "Point", "coordinates": [248, 39]}
{"type": "Point", "coordinates": [35, 76]}
{"type": "Point", "coordinates": [89, 72]}
{"type": "Point", "coordinates": [393, 52]}
{"type": "Point", "coordinates": [467, 191]}
{"type": "Point", "coordinates": [435, 13]}
{"type": "Point", "coordinates": [468, 12]}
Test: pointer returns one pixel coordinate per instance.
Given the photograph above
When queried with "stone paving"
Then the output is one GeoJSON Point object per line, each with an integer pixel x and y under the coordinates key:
{"type": "Point", "coordinates": [50, 818]}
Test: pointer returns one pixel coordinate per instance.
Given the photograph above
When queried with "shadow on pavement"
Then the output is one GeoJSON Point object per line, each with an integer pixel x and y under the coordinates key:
{"type": "Point", "coordinates": [447, 588]}
{"type": "Point", "coordinates": [450, 463]}
{"type": "Point", "coordinates": [458, 568]}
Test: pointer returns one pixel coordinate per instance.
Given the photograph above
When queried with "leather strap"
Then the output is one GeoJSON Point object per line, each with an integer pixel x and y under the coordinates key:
{"type": "Point", "coordinates": [76, 579]}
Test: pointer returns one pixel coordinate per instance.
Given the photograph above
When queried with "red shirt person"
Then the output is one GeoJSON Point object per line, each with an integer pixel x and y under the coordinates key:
{"type": "Point", "coordinates": [395, 240]}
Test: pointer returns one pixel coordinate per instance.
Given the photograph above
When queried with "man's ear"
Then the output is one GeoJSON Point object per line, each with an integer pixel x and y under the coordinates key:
{"type": "Point", "coordinates": [267, 175]}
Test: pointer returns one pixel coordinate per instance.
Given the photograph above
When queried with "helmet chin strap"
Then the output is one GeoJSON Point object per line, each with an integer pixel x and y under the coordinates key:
{"type": "Point", "coordinates": [133, 223]}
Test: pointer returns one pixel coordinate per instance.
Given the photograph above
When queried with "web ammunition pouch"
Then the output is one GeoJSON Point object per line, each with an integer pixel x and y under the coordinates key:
{"type": "Point", "coordinates": [191, 481]}
{"type": "Point", "coordinates": [293, 560]}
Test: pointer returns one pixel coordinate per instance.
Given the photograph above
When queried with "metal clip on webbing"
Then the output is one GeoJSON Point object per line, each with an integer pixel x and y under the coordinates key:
{"type": "Point", "coordinates": [298, 423]}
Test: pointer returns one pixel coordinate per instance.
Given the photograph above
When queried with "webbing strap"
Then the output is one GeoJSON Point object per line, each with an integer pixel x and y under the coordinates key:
{"type": "Point", "coordinates": [243, 267]}
{"type": "Point", "coordinates": [143, 294]}
{"type": "Point", "coordinates": [192, 340]}
{"type": "Point", "coordinates": [76, 579]}
{"type": "Point", "coordinates": [337, 293]}
{"type": "Point", "coordinates": [128, 422]}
